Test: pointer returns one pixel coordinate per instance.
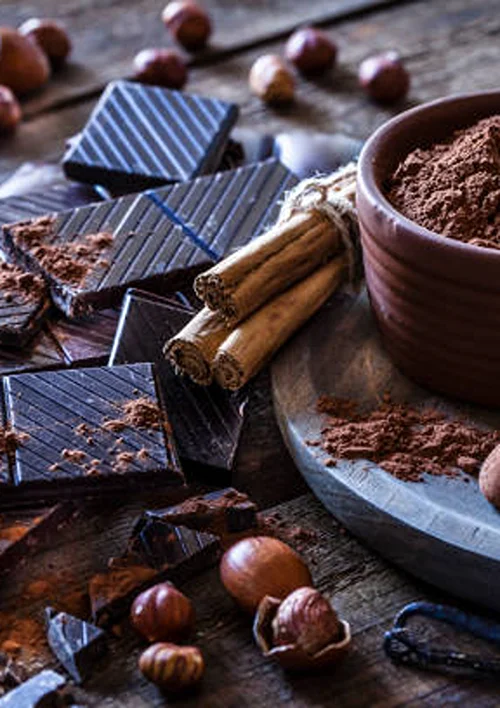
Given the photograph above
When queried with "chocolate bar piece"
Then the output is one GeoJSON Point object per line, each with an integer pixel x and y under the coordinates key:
{"type": "Point", "coordinates": [50, 200]}
{"type": "Point", "coordinates": [40, 691]}
{"type": "Point", "coordinates": [143, 136]}
{"type": "Point", "coordinates": [41, 353]}
{"type": "Point", "coordinates": [222, 512]}
{"type": "Point", "coordinates": [156, 552]}
{"type": "Point", "coordinates": [161, 238]}
{"type": "Point", "coordinates": [206, 421]}
{"type": "Point", "coordinates": [77, 644]}
{"type": "Point", "coordinates": [88, 340]}
{"type": "Point", "coordinates": [87, 431]}
{"type": "Point", "coordinates": [23, 534]}
{"type": "Point", "coordinates": [24, 305]}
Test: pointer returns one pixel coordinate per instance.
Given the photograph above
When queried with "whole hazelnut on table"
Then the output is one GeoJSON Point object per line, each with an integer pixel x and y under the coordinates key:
{"type": "Point", "coordinates": [259, 566]}
{"type": "Point", "coordinates": [10, 111]}
{"type": "Point", "coordinates": [311, 50]}
{"type": "Point", "coordinates": [23, 65]}
{"type": "Point", "coordinates": [188, 22]}
{"type": "Point", "coordinates": [384, 77]}
{"type": "Point", "coordinates": [302, 631]}
{"type": "Point", "coordinates": [160, 67]}
{"type": "Point", "coordinates": [489, 477]}
{"type": "Point", "coordinates": [271, 80]}
{"type": "Point", "coordinates": [162, 613]}
{"type": "Point", "coordinates": [171, 667]}
{"type": "Point", "coordinates": [51, 37]}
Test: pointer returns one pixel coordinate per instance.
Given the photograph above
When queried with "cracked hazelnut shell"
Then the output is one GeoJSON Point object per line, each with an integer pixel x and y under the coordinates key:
{"type": "Point", "coordinates": [259, 566]}
{"type": "Point", "coordinates": [271, 80]}
{"type": "Point", "coordinates": [160, 67]}
{"type": "Point", "coordinates": [10, 111]}
{"type": "Point", "coordinates": [384, 77]}
{"type": "Point", "coordinates": [311, 50]}
{"type": "Point", "coordinates": [50, 36]}
{"type": "Point", "coordinates": [188, 23]}
{"type": "Point", "coordinates": [293, 656]}
{"type": "Point", "coordinates": [23, 65]}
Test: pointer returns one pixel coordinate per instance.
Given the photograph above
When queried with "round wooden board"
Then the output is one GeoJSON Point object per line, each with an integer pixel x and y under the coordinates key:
{"type": "Point", "coordinates": [441, 530]}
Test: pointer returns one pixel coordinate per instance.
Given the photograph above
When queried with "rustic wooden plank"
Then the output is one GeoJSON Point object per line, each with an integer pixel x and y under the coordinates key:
{"type": "Point", "coordinates": [365, 590]}
{"type": "Point", "coordinates": [107, 35]}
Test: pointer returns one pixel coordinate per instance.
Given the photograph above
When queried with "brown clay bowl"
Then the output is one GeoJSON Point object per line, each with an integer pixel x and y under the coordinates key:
{"type": "Point", "coordinates": [436, 301]}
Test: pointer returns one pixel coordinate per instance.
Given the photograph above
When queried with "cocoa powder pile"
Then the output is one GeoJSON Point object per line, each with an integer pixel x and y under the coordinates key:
{"type": "Point", "coordinates": [453, 188]}
{"type": "Point", "coordinates": [404, 441]}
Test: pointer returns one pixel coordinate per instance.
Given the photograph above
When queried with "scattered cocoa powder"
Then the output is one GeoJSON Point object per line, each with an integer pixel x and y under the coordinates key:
{"type": "Point", "coordinates": [12, 534]}
{"type": "Point", "coordinates": [137, 413]}
{"type": "Point", "coordinates": [453, 188]}
{"type": "Point", "coordinates": [404, 441]}
{"type": "Point", "coordinates": [272, 524]}
{"type": "Point", "coordinates": [15, 283]}
{"type": "Point", "coordinates": [77, 457]}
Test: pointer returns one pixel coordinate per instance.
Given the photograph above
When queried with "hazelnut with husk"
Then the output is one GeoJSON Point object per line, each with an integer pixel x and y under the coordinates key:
{"type": "Point", "coordinates": [301, 632]}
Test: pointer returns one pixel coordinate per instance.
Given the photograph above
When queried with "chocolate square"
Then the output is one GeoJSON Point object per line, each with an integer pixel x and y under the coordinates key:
{"type": "Point", "coordinates": [50, 200]}
{"type": "Point", "coordinates": [24, 305]}
{"type": "Point", "coordinates": [41, 690]}
{"type": "Point", "coordinates": [206, 421]}
{"type": "Point", "coordinates": [142, 136]}
{"type": "Point", "coordinates": [87, 340]}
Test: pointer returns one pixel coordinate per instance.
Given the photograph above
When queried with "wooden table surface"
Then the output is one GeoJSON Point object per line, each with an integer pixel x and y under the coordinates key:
{"type": "Point", "coordinates": [449, 46]}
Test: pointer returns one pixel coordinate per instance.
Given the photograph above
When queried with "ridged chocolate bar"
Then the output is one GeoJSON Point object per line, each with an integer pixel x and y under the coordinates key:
{"type": "Point", "coordinates": [206, 421]}
{"type": "Point", "coordinates": [157, 239]}
{"type": "Point", "coordinates": [24, 305]}
{"type": "Point", "coordinates": [84, 432]}
{"type": "Point", "coordinates": [143, 136]}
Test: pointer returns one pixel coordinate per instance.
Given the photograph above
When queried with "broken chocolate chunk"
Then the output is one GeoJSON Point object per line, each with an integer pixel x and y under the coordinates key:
{"type": "Point", "coordinates": [77, 644]}
{"type": "Point", "coordinates": [24, 305]}
{"type": "Point", "coordinates": [40, 691]}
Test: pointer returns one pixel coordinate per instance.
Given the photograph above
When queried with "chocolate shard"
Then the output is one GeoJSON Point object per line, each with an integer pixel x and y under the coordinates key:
{"type": "Point", "coordinates": [86, 341]}
{"type": "Point", "coordinates": [159, 239]}
{"type": "Point", "coordinates": [23, 534]}
{"type": "Point", "coordinates": [24, 305]}
{"type": "Point", "coordinates": [206, 421]}
{"type": "Point", "coordinates": [50, 200]}
{"type": "Point", "coordinates": [156, 552]}
{"type": "Point", "coordinates": [40, 691]}
{"type": "Point", "coordinates": [42, 352]}
{"type": "Point", "coordinates": [142, 136]}
{"type": "Point", "coordinates": [222, 512]}
{"type": "Point", "coordinates": [86, 432]}
{"type": "Point", "coordinates": [77, 644]}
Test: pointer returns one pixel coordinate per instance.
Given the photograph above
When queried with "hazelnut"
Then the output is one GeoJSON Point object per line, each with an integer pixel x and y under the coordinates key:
{"type": "Point", "coordinates": [259, 566]}
{"type": "Point", "coordinates": [171, 667]}
{"type": "Point", "coordinates": [51, 37]}
{"type": "Point", "coordinates": [162, 613]}
{"type": "Point", "coordinates": [10, 111]}
{"type": "Point", "coordinates": [384, 77]}
{"type": "Point", "coordinates": [160, 67]}
{"type": "Point", "coordinates": [311, 50]}
{"type": "Point", "coordinates": [23, 66]}
{"type": "Point", "coordinates": [271, 80]}
{"type": "Point", "coordinates": [188, 22]}
{"type": "Point", "coordinates": [302, 631]}
{"type": "Point", "coordinates": [489, 477]}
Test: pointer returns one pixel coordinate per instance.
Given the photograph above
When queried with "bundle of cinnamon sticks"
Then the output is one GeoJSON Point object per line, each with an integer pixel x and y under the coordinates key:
{"type": "Point", "coordinates": [259, 296]}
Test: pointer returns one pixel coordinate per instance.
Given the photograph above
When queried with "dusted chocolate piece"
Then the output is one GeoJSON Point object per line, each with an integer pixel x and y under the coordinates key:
{"type": "Point", "coordinates": [23, 534]}
{"type": "Point", "coordinates": [84, 432]}
{"type": "Point", "coordinates": [40, 691]}
{"type": "Point", "coordinates": [42, 352]}
{"type": "Point", "coordinates": [222, 512]}
{"type": "Point", "coordinates": [77, 644]}
{"type": "Point", "coordinates": [158, 239]}
{"type": "Point", "coordinates": [156, 552]}
{"type": "Point", "coordinates": [143, 136]}
{"type": "Point", "coordinates": [24, 305]}
{"type": "Point", "coordinates": [87, 340]}
{"type": "Point", "coordinates": [206, 421]}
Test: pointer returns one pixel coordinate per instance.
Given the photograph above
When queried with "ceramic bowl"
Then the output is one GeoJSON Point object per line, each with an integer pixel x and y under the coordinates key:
{"type": "Point", "coordinates": [436, 300]}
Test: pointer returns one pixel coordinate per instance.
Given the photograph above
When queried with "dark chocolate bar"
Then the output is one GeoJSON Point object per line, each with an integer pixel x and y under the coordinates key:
{"type": "Point", "coordinates": [40, 691]}
{"type": "Point", "coordinates": [88, 340]}
{"type": "Point", "coordinates": [142, 136]}
{"type": "Point", "coordinates": [222, 512]}
{"type": "Point", "coordinates": [50, 200]}
{"type": "Point", "coordinates": [86, 432]}
{"type": "Point", "coordinates": [161, 238]}
{"type": "Point", "coordinates": [156, 552]}
{"type": "Point", "coordinates": [77, 644]}
{"type": "Point", "coordinates": [206, 421]}
{"type": "Point", "coordinates": [24, 305]}
{"type": "Point", "coordinates": [41, 353]}
{"type": "Point", "coordinates": [23, 534]}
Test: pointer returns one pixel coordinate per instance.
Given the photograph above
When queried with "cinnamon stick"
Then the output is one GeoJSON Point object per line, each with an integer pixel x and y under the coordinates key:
{"type": "Point", "coordinates": [193, 349]}
{"type": "Point", "coordinates": [255, 340]}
